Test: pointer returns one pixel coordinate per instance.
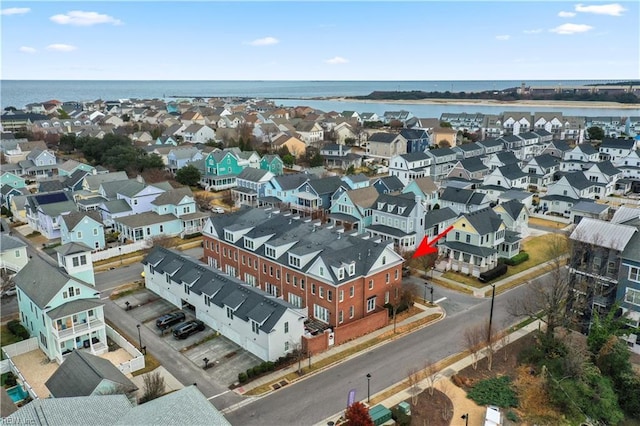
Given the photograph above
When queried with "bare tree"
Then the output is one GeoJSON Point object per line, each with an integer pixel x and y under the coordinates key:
{"type": "Point", "coordinates": [6, 281]}
{"type": "Point", "coordinates": [492, 339]}
{"type": "Point", "coordinates": [413, 377]}
{"type": "Point", "coordinates": [447, 409]}
{"type": "Point", "coordinates": [504, 343]}
{"type": "Point", "coordinates": [120, 389]}
{"type": "Point", "coordinates": [474, 337]}
{"type": "Point", "coordinates": [546, 297]}
{"type": "Point", "coordinates": [153, 387]}
{"type": "Point", "coordinates": [431, 375]}
{"type": "Point", "coordinates": [203, 201]}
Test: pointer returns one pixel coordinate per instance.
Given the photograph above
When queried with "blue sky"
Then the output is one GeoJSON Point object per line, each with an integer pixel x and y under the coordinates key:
{"type": "Point", "coordinates": [303, 40]}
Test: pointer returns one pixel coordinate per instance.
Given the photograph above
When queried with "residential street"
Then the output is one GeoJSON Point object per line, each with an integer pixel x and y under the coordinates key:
{"type": "Point", "coordinates": [325, 394]}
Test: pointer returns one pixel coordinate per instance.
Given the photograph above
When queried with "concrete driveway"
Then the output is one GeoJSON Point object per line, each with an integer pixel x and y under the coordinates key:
{"type": "Point", "coordinates": [226, 358]}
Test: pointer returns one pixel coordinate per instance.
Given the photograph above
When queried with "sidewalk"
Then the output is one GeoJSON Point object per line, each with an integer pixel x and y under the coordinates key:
{"type": "Point", "coordinates": [445, 374]}
{"type": "Point", "coordinates": [482, 291]}
{"type": "Point", "coordinates": [270, 378]}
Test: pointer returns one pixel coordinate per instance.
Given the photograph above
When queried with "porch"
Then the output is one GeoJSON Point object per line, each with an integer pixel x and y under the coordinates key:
{"type": "Point", "coordinates": [244, 196]}
{"type": "Point", "coordinates": [218, 183]}
{"type": "Point", "coordinates": [468, 259]}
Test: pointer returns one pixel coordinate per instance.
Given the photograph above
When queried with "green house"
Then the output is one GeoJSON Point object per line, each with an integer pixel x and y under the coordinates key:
{"type": "Point", "coordinates": [221, 170]}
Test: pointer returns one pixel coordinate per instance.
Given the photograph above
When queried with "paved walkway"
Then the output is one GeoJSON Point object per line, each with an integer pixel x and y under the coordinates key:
{"type": "Point", "coordinates": [444, 375]}
{"type": "Point", "coordinates": [269, 378]}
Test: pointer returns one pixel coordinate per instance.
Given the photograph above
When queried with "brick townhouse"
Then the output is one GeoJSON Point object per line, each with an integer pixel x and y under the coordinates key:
{"type": "Point", "coordinates": [339, 278]}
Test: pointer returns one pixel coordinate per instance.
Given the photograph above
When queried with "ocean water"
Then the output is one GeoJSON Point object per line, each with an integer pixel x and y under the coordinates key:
{"type": "Point", "coordinates": [18, 93]}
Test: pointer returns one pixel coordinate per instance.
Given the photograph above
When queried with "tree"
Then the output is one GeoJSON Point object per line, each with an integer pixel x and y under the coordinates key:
{"type": "Point", "coordinates": [63, 114]}
{"type": "Point", "coordinates": [595, 133]}
{"type": "Point", "coordinates": [474, 337]}
{"type": "Point", "coordinates": [203, 201]}
{"type": "Point", "coordinates": [413, 377]}
{"type": "Point", "coordinates": [153, 387]}
{"type": "Point", "coordinates": [546, 297]}
{"type": "Point", "coordinates": [358, 415]}
{"type": "Point", "coordinates": [188, 175]}
{"type": "Point", "coordinates": [445, 124]}
{"type": "Point", "coordinates": [492, 339]}
{"type": "Point", "coordinates": [444, 144]}
{"type": "Point", "coordinates": [6, 281]}
{"type": "Point", "coordinates": [288, 160]}
{"type": "Point", "coordinates": [431, 375]}
{"type": "Point", "coordinates": [317, 160]}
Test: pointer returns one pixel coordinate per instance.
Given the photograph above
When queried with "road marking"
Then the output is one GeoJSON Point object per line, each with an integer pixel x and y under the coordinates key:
{"type": "Point", "coordinates": [220, 394]}
{"type": "Point", "coordinates": [442, 299]}
{"type": "Point", "coordinates": [104, 298]}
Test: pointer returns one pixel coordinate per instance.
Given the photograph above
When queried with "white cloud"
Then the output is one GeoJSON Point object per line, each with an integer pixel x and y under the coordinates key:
{"type": "Point", "coordinates": [27, 49]}
{"type": "Point", "coordinates": [536, 31]}
{"type": "Point", "coordinates": [266, 41]}
{"type": "Point", "coordinates": [613, 9]}
{"type": "Point", "coordinates": [571, 29]}
{"type": "Point", "coordinates": [15, 11]}
{"type": "Point", "coordinates": [564, 14]}
{"type": "Point", "coordinates": [337, 60]}
{"type": "Point", "coordinates": [59, 47]}
{"type": "Point", "coordinates": [84, 19]}
{"type": "Point", "coordinates": [503, 37]}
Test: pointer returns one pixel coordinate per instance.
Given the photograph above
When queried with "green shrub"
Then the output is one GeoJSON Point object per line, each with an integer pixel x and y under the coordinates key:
{"type": "Point", "coordinates": [18, 329]}
{"type": "Point", "coordinates": [270, 366]}
{"type": "Point", "coordinates": [250, 372]}
{"type": "Point", "coordinates": [400, 417]}
{"type": "Point", "coordinates": [257, 371]}
{"type": "Point", "coordinates": [517, 259]}
{"type": "Point", "coordinates": [495, 391]}
{"type": "Point", "coordinates": [513, 417]}
{"type": "Point", "coordinates": [494, 273]}
{"type": "Point", "coordinates": [242, 377]}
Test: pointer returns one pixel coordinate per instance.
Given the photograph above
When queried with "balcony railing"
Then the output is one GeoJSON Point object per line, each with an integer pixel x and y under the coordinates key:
{"type": "Point", "coordinates": [78, 328]}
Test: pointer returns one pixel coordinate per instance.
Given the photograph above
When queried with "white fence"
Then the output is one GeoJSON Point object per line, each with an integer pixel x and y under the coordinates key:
{"type": "Point", "coordinates": [120, 250]}
{"type": "Point", "coordinates": [134, 364]}
{"type": "Point", "coordinates": [16, 349]}
{"type": "Point", "coordinates": [22, 347]}
{"type": "Point", "coordinates": [551, 218]}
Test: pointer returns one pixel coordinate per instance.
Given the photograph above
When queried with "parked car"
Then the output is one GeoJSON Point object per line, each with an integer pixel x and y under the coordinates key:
{"type": "Point", "coordinates": [168, 320]}
{"type": "Point", "coordinates": [186, 329]}
{"type": "Point", "coordinates": [217, 210]}
{"type": "Point", "coordinates": [9, 292]}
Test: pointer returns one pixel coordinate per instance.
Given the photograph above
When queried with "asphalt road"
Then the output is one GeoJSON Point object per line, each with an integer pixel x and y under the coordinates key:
{"type": "Point", "coordinates": [318, 397]}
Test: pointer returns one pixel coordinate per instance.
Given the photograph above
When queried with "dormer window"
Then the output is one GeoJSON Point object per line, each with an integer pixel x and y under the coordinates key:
{"type": "Point", "coordinates": [401, 210]}
{"type": "Point", "coordinates": [228, 236]}
{"type": "Point", "coordinates": [352, 269]}
{"type": "Point", "coordinates": [248, 244]}
{"type": "Point", "coordinates": [270, 252]}
{"type": "Point", "coordinates": [340, 273]}
{"type": "Point", "coordinates": [390, 207]}
{"type": "Point", "coordinates": [380, 206]}
{"type": "Point", "coordinates": [294, 261]}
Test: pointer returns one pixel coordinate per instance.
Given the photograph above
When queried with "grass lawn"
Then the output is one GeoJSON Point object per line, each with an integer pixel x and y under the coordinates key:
{"type": "Point", "coordinates": [546, 223]}
{"type": "Point", "coordinates": [539, 252]}
{"type": "Point", "coordinates": [8, 338]}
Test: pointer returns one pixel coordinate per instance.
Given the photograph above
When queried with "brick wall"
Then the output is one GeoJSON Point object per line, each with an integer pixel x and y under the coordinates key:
{"type": "Point", "coordinates": [315, 344]}
{"type": "Point", "coordinates": [361, 327]}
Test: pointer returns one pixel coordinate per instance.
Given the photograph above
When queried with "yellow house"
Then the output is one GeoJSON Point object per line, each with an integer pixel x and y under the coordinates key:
{"type": "Point", "coordinates": [295, 146]}
{"type": "Point", "coordinates": [441, 134]}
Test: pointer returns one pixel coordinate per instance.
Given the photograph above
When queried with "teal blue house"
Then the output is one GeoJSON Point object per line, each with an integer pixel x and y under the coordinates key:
{"type": "Point", "coordinates": [60, 305]}
{"type": "Point", "coordinates": [426, 189]}
{"type": "Point", "coordinates": [84, 227]}
{"type": "Point", "coordinates": [221, 170]}
{"type": "Point", "coordinates": [353, 209]}
{"type": "Point", "coordinates": [13, 180]}
{"type": "Point", "coordinates": [70, 166]}
{"type": "Point", "coordinates": [272, 163]}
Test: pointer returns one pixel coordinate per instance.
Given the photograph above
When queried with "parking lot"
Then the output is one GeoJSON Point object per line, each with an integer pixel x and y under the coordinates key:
{"type": "Point", "coordinates": [226, 359]}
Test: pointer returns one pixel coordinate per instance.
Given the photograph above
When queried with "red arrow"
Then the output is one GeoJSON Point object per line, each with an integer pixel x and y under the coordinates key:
{"type": "Point", "coordinates": [426, 247]}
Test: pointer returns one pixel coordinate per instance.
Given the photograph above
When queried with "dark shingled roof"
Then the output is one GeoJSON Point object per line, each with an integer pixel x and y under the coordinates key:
{"type": "Point", "coordinates": [434, 217]}
{"type": "Point", "coordinates": [81, 373]}
{"type": "Point", "coordinates": [512, 208]}
{"type": "Point", "coordinates": [74, 218]}
{"type": "Point", "coordinates": [484, 221]}
{"type": "Point", "coordinates": [392, 183]}
{"type": "Point", "coordinates": [617, 143]}
{"type": "Point", "coordinates": [383, 137]}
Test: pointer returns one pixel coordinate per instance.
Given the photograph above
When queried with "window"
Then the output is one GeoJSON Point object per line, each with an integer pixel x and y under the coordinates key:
{"type": "Point", "coordinates": [321, 313]}
{"type": "Point", "coordinates": [321, 292]}
{"type": "Point", "coordinates": [340, 273]}
{"type": "Point", "coordinates": [294, 261]}
{"type": "Point", "coordinates": [340, 317]}
{"type": "Point", "coordinates": [83, 259]}
{"type": "Point", "coordinates": [295, 300]}
{"type": "Point", "coordinates": [244, 258]}
{"type": "Point", "coordinates": [386, 297]}
{"type": "Point", "coordinates": [79, 234]}
{"type": "Point", "coordinates": [287, 278]}
{"type": "Point", "coordinates": [255, 327]}
{"type": "Point", "coordinates": [286, 346]}
{"type": "Point", "coordinates": [321, 271]}
{"type": "Point", "coordinates": [228, 236]}
{"type": "Point", "coordinates": [302, 283]}
{"type": "Point", "coordinates": [387, 280]}
{"type": "Point", "coordinates": [341, 295]}
{"type": "Point", "coordinates": [71, 292]}
{"type": "Point", "coordinates": [371, 303]}
{"type": "Point", "coordinates": [351, 311]}
{"type": "Point", "coordinates": [396, 275]}
{"type": "Point", "coordinates": [634, 274]}
{"type": "Point", "coordinates": [270, 271]}
{"type": "Point", "coordinates": [248, 244]}
{"type": "Point", "coordinates": [384, 260]}
{"type": "Point", "coordinates": [278, 273]}
{"type": "Point", "coordinates": [313, 289]}
{"type": "Point", "coordinates": [329, 295]}
{"type": "Point", "coordinates": [264, 268]}
{"type": "Point", "coordinates": [229, 313]}
{"type": "Point", "coordinates": [352, 269]}
{"type": "Point", "coordinates": [632, 296]}
{"type": "Point", "coordinates": [352, 291]}
{"type": "Point", "coordinates": [467, 239]}
{"type": "Point", "coordinates": [295, 281]}
{"type": "Point", "coordinates": [76, 261]}
{"type": "Point", "coordinates": [270, 252]}
{"type": "Point", "coordinates": [370, 284]}
{"type": "Point", "coordinates": [286, 326]}
{"type": "Point", "coordinates": [457, 236]}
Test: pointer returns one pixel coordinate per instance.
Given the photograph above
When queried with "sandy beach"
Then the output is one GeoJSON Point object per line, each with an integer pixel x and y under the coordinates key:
{"type": "Point", "coordinates": [541, 103]}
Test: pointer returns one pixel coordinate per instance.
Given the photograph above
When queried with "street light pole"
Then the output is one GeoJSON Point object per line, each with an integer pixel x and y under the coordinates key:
{"type": "Point", "coordinates": [493, 295]}
{"type": "Point", "coordinates": [139, 337]}
{"type": "Point", "coordinates": [466, 419]}
{"type": "Point", "coordinates": [368, 388]}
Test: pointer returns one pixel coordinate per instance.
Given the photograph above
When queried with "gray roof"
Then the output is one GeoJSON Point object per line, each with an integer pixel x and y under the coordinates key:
{"type": "Point", "coordinates": [72, 219]}
{"type": "Point", "coordinates": [10, 243]}
{"type": "Point", "coordinates": [55, 209]}
{"type": "Point", "coordinates": [457, 195]}
{"type": "Point", "coordinates": [72, 248]}
{"type": "Point", "coordinates": [587, 149]}
{"type": "Point", "coordinates": [116, 206]}
{"type": "Point", "coordinates": [441, 152]}
{"type": "Point", "coordinates": [467, 147]}
{"type": "Point", "coordinates": [31, 281]}
{"type": "Point", "coordinates": [405, 201]}
{"type": "Point", "coordinates": [94, 181]}
{"type": "Point", "coordinates": [607, 168]}
{"type": "Point", "coordinates": [513, 208]}
{"type": "Point", "coordinates": [506, 157]}
{"type": "Point", "coordinates": [485, 220]}
{"type": "Point", "coordinates": [251, 174]}
{"type": "Point", "coordinates": [51, 185]}
{"type": "Point", "coordinates": [144, 219]}
{"type": "Point", "coordinates": [73, 307]}
{"type": "Point", "coordinates": [415, 156]}
{"type": "Point", "coordinates": [578, 180]}
{"type": "Point", "coordinates": [512, 171]}
{"type": "Point", "coordinates": [546, 161]}
{"type": "Point", "coordinates": [173, 196]}
{"type": "Point", "coordinates": [187, 406]}
{"type": "Point", "coordinates": [515, 194]}
{"type": "Point", "coordinates": [603, 234]}
{"type": "Point", "coordinates": [434, 217]}
{"type": "Point", "coordinates": [292, 181]}
{"type": "Point", "coordinates": [382, 137]}
{"type": "Point", "coordinates": [326, 185]}
{"type": "Point", "coordinates": [100, 409]}
{"type": "Point", "coordinates": [589, 207]}
{"type": "Point", "coordinates": [617, 143]}
{"type": "Point", "coordinates": [469, 248]}
{"type": "Point", "coordinates": [388, 230]}
{"type": "Point", "coordinates": [392, 183]}
{"type": "Point", "coordinates": [625, 214]}
{"type": "Point", "coordinates": [250, 303]}
{"type": "Point", "coordinates": [473, 164]}
{"type": "Point", "coordinates": [81, 373]}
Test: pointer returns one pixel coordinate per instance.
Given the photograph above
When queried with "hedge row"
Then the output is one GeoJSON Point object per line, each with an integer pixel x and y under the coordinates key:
{"type": "Point", "coordinates": [18, 329]}
{"type": "Point", "coordinates": [517, 259]}
{"type": "Point", "coordinates": [494, 273]}
{"type": "Point", "coordinates": [256, 371]}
